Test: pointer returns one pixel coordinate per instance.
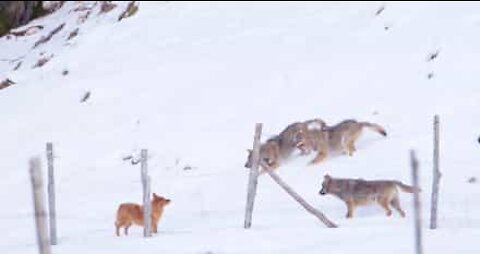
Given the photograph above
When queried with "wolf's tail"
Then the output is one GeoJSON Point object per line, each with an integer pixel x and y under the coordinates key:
{"type": "Point", "coordinates": [374, 127]}
{"type": "Point", "coordinates": [406, 188]}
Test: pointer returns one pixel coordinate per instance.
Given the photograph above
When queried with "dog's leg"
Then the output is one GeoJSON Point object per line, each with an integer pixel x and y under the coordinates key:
{"type": "Point", "coordinates": [117, 230]}
{"type": "Point", "coordinates": [126, 228]}
{"type": "Point", "coordinates": [154, 227]}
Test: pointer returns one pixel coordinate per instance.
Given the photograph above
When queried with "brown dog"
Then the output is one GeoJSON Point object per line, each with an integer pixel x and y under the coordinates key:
{"type": "Point", "coordinates": [129, 213]}
{"type": "Point", "coordinates": [359, 192]}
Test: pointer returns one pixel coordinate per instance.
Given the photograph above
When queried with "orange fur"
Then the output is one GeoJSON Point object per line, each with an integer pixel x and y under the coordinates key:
{"type": "Point", "coordinates": [129, 213]}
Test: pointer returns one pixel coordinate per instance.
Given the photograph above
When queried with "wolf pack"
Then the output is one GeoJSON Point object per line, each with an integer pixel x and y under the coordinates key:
{"type": "Point", "coordinates": [305, 138]}
{"type": "Point", "coordinates": [315, 136]}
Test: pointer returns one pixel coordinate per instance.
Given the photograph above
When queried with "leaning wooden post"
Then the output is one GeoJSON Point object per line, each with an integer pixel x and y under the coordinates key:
{"type": "Point", "coordinates": [253, 177]}
{"type": "Point", "coordinates": [39, 206]}
{"type": "Point", "coordinates": [416, 204]}
{"type": "Point", "coordinates": [51, 196]}
{"type": "Point", "coordinates": [436, 173]}
{"type": "Point", "coordinates": [147, 232]}
{"type": "Point", "coordinates": [301, 201]}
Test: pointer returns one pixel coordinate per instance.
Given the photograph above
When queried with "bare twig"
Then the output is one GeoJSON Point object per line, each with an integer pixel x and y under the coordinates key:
{"type": "Point", "coordinates": [49, 36]}
{"type": "Point", "coordinates": [380, 10]}
{"type": "Point", "coordinates": [130, 11]}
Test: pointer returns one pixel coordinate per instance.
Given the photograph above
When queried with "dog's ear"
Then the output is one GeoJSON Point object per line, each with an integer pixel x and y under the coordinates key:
{"type": "Point", "coordinates": [155, 195]}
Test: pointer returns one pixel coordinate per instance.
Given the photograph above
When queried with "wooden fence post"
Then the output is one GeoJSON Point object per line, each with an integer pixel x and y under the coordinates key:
{"type": "Point", "coordinates": [51, 196]}
{"type": "Point", "coordinates": [301, 201]}
{"type": "Point", "coordinates": [39, 206]}
{"type": "Point", "coordinates": [436, 173]}
{"type": "Point", "coordinates": [416, 204]}
{"type": "Point", "coordinates": [253, 177]}
{"type": "Point", "coordinates": [147, 232]}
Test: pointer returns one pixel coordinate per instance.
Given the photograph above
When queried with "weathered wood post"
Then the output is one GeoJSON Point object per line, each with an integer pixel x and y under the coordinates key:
{"type": "Point", "coordinates": [52, 214]}
{"type": "Point", "coordinates": [253, 177]}
{"type": "Point", "coordinates": [39, 206]}
{"type": "Point", "coordinates": [416, 204]}
{"type": "Point", "coordinates": [301, 201]}
{"type": "Point", "coordinates": [147, 230]}
{"type": "Point", "coordinates": [436, 173]}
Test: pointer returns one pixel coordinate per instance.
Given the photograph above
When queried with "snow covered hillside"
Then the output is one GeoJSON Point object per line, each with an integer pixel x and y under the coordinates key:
{"type": "Point", "coordinates": [188, 81]}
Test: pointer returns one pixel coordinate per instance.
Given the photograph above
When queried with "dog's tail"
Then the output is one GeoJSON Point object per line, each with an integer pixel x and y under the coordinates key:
{"type": "Point", "coordinates": [374, 127]}
{"type": "Point", "coordinates": [118, 216]}
{"type": "Point", "coordinates": [406, 188]}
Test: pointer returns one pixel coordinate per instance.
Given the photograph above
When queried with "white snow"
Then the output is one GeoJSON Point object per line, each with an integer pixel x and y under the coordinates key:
{"type": "Point", "coordinates": [189, 81]}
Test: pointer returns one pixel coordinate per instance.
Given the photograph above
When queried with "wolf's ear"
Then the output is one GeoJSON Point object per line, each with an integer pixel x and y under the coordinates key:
{"type": "Point", "coordinates": [327, 177]}
{"type": "Point", "coordinates": [249, 150]}
{"type": "Point", "coordinates": [323, 124]}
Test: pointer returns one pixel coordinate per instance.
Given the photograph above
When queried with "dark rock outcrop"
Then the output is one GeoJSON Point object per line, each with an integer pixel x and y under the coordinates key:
{"type": "Point", "coordinates": [18, 13]}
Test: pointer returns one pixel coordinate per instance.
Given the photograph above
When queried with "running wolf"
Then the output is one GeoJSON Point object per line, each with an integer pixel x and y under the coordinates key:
{"type": "Point", "coordinates": [316, 139]}
{"type": "Point", "coordinates": [343, 135]}
{"type": "Point", "coordinates": [269, 155]}
{"type": "Point", "coordinates": [279, 148]}
{"type": "Point", "coordinates": [359, 192]}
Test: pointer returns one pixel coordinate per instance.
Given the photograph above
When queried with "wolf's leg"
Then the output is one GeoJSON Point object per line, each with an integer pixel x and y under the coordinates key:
{"type": "Point", "coordinates": [261, 171]}
{"type": "Point", "coordinates": [384, 203]}
{"type": "Point", "coordinates": [352, 138]}
{"type": "Point", "coordinates": [350, 208]}
{"type": "Point", "coordinates": [351, 147]}
{"type": "Point", "coordinates": [264, 168]}
{"type": "Point", "coordinates": [273, 165]}
{"type": "Point", "coordinates": [319, 158]}
{"type": "Point", "coordinates": [344, 146]}
{"type": "Point", "coordinates": [304, 149]}
{"type": "Point", "coordinates": [395, 203]}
